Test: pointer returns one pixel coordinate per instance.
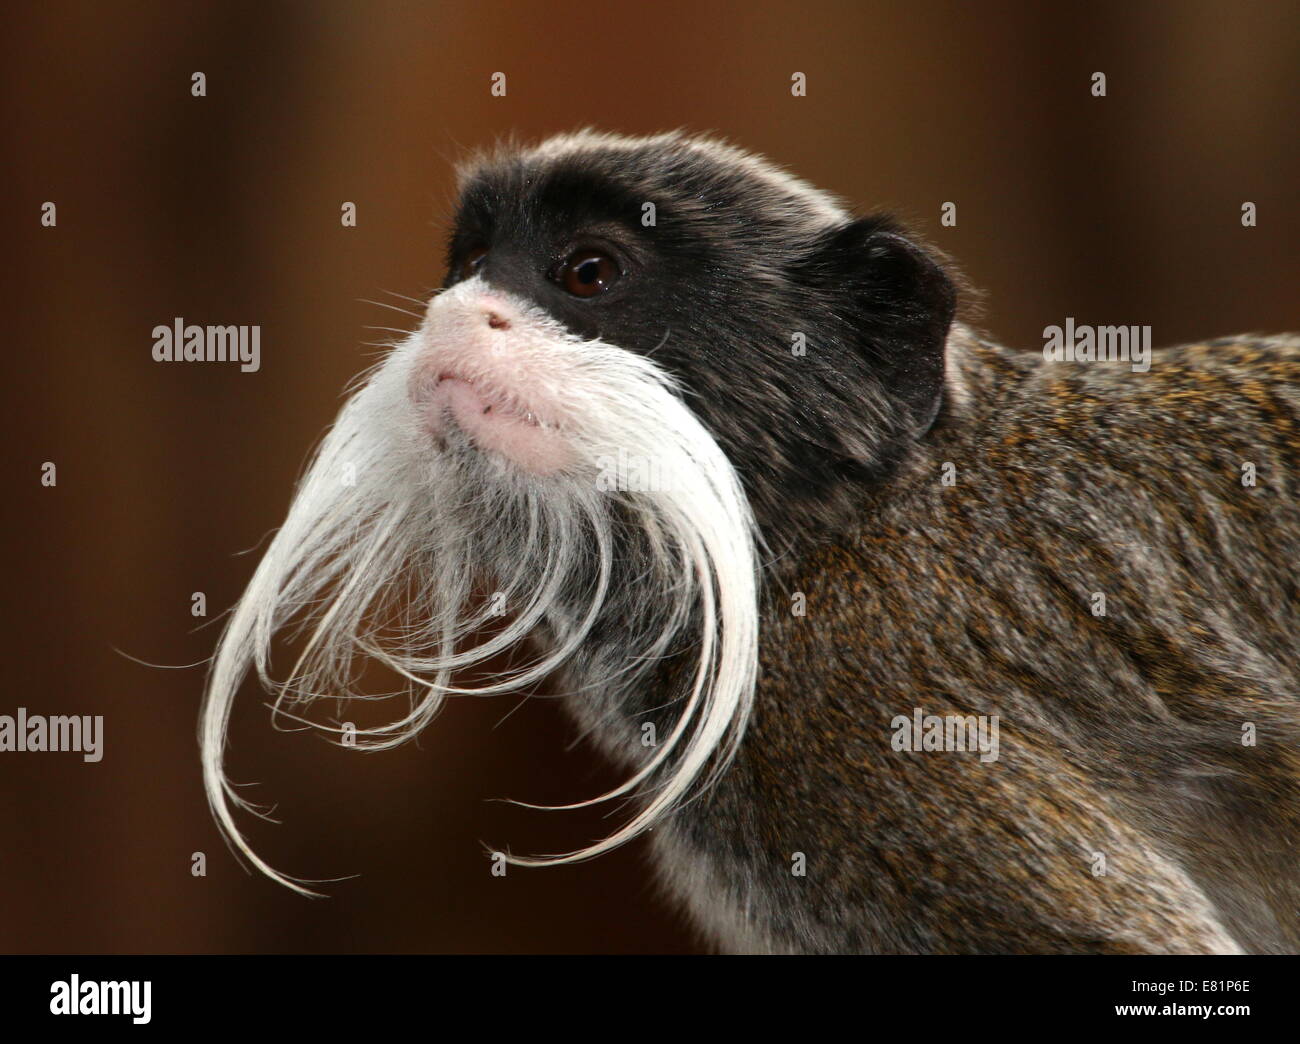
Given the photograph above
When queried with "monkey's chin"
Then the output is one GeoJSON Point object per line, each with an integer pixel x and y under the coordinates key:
{"type": "Point", "coordinates": [494, 425]}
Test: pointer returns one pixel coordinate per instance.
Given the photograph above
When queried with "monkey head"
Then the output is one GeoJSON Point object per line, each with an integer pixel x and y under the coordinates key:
{"type": "Point", "coordinates": [650, 356]}
{"type": "Point", "coordinates": [809, 344]}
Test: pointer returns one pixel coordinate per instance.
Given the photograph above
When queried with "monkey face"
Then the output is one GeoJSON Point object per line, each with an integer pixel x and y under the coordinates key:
{"type": "Point", "coordinates": [809, 344]}
{"type": "Point", "coordinates": [646, 351]}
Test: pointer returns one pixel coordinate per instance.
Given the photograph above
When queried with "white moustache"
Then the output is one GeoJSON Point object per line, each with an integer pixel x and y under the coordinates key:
{"type": "Point", "coordinates": [418, 492]}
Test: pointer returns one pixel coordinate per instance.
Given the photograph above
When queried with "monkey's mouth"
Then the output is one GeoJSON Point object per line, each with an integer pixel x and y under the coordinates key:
{"type": "Point", "coordinates": [494, 422]}
{"type": "Point", "coordinates": [467, 399]}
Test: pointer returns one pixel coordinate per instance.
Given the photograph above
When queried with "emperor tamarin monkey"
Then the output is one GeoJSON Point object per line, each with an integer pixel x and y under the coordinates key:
{"type": "Point", "coordinates": [730, 470]}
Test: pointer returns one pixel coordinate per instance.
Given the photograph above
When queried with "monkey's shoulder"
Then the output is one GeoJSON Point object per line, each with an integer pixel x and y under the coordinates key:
{"type": "Point", "coordinates": [1245, 381]}
{"type": "Point", "coordinates": [1194, 417]}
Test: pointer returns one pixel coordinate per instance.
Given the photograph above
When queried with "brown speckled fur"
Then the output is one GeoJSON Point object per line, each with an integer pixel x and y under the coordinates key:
{"type": "Point", "coordinates": [1120, 735]}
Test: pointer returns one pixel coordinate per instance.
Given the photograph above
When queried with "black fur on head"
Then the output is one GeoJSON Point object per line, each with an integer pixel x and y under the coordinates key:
{"type": "Point", "coordinates": [740, 260]}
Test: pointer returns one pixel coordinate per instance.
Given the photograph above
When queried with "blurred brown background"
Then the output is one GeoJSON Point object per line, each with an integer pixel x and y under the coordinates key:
{"type": "Point", "coordinates": [225, 209]}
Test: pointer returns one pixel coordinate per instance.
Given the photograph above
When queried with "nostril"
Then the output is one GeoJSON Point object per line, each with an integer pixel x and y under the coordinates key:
{"type": "Point", "coordinates": [497, 322]}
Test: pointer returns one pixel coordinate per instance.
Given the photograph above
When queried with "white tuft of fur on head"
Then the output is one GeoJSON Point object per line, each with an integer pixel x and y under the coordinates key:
{"type": "Point", "coordinates": [404, 516]}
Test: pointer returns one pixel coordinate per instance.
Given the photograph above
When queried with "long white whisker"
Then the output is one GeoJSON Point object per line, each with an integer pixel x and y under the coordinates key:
{"type": "Point", "coordinates": [392, 541]}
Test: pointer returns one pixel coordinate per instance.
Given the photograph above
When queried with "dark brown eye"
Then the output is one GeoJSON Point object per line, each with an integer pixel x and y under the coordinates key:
{"type": "Point", "coordinates": [588, 273]}
{"type": "Point", "coordinates": [472, 261]}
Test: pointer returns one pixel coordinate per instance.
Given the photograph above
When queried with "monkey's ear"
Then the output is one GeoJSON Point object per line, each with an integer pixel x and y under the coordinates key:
{"type": "Point", "coordinates": [899, 302]}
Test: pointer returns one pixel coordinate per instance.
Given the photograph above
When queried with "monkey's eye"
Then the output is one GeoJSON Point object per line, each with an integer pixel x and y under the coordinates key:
{"type": "Point", "coordinates": [472, 262]}
{"type": "Point", "coordinates": [587, 273]}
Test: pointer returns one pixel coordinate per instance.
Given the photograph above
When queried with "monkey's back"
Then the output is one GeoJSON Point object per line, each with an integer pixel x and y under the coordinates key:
{"type": "Point", "coordinates": [1104, 560]}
